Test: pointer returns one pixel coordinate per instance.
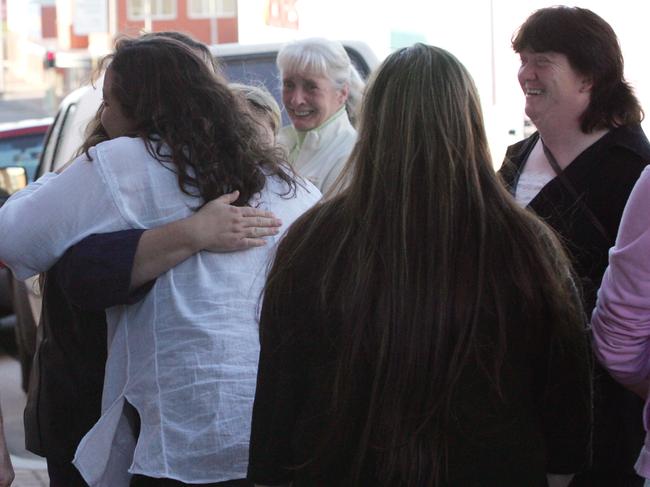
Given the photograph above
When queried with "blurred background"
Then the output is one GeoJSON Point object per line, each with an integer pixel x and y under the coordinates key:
{"type": "Point", "coordinates": [48, 48]}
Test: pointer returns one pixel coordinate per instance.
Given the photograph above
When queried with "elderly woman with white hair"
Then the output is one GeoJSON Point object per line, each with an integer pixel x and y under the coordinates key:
{"type": "Point", "coordinates": [321, 91]}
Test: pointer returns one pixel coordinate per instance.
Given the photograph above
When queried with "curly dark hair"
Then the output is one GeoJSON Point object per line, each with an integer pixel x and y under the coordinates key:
{"type": "Point", "coordinates": [187, 115]}
{"type": "Point", "coordinates": [197, 46]}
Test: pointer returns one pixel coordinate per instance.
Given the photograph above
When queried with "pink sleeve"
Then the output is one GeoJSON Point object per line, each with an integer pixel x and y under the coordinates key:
{"type": "Point", "coordinates": [621, 320]}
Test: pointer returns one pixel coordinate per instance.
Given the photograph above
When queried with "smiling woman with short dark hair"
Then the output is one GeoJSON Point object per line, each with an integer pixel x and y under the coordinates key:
{"type": "Point", "coordinates": [576, 172]}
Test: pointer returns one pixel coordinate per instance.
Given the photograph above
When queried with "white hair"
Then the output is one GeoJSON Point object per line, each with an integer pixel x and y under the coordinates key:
{"type": "Point", "coordinates": [261, 101]}
{"type": "Point", "coordinates": [323, 57]}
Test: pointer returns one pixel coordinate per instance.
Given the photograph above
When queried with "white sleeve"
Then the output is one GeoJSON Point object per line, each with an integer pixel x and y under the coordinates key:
{"type": "Point", "coordinates": [34, 186]}
{"type": "Point", "coordinates": [40, 222]}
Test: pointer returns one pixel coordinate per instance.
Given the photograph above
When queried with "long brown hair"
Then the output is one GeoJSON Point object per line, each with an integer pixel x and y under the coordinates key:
{"type": "Point", "coordinates": [187, 115]}
{"type": "Point", "coordinates": [423, 244]}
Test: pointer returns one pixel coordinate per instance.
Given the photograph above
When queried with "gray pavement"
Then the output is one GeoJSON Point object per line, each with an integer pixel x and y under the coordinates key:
{"type": "Point", "coordinates": [31, 470]}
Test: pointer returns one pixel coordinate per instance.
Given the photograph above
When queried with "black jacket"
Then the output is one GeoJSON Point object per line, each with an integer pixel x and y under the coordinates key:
{"type": "Point", "coordinates": [65, 391]}
{"type": "Point", "coordinates": [603, 177]}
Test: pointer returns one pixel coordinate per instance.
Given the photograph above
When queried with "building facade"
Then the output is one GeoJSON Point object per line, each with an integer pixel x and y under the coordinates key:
{"type": "Point", "coordinates": [56, 43]}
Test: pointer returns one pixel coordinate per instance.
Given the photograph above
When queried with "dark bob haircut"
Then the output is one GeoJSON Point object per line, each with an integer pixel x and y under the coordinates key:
{"type": "Point", "coordinates": [592, 48]}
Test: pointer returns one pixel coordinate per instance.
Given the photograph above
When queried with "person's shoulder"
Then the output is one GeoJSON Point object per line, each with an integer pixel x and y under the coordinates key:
{"type": "Point", "coordinates": [120, 143]}
{"type": "Point", "coordinates": [345, 127]}
{"type": "Point", "coordinates": [120, 149]}
{"type": "Point", "coordinates": [124, 162]}
{"type": "Point", "coordinates": [644, 180]}
{"type": "Point", "coordinates": [623, 154]}
{"type": "Point", "coordinates": [515, 156]}
{"type": "Point", "coordinates": [628, 143]}
{"type": "Point", "coordinates": [305, 192]}
{"type": "Point", "coordinates": [519, 150]}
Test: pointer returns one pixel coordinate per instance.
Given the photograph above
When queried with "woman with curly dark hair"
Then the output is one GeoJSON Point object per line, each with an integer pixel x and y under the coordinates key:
{"type": "Point", "coordinates": [180, 372]}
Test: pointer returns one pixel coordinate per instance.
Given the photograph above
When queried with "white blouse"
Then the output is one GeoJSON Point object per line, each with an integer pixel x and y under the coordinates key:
{"type": "Point", "coordinates": [321, 155]}
{"type": "Point", "coordinates": [186, 355]}
{"type": "Point", "coordinates": [531, 183]}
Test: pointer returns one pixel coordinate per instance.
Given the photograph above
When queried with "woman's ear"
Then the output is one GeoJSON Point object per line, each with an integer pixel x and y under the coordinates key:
{"type": "Point", "coordinates": [344, 93]}
{"type": "Point", "coordinates": [587, 84]}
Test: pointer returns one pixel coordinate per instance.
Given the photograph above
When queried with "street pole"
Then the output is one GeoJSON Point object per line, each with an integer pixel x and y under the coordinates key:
{"type": "Point", "coordinates": [112, 21]}
{"type": "Point", "coordinates": [214, 28]}
{"type": "Point", "coordinates": [492, 58]}
{"type": "Point", "coordinates": [147, 16]}
{"type": "Point", "coordinates": [2, 47]}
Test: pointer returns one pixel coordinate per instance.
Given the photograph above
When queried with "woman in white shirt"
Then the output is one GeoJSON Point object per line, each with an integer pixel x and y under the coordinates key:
{"type": "Point", "coordinates": [321, 92]}
{"type": "Point", "coordinates": [184, 358]}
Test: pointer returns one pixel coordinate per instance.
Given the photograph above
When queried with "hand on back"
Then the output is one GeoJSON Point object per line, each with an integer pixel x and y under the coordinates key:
{"type": "Point", "coordinates": [221, 227]}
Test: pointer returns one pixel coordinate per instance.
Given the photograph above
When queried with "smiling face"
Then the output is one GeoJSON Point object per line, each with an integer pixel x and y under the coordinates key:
{"type": "Point", "coordinates": [113, 119]}
{"type": "Point", "coordinates": [555, 92]}
{"type": "Point", "coordinates": [310, 100]}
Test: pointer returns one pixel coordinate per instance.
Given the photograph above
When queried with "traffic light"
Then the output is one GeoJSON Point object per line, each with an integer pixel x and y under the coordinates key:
{"type": "Point", "coordinates": [49, 61]}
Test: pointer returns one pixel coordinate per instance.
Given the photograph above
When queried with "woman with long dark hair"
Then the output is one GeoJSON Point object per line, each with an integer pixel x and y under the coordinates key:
{"type": "Point", "coordinates": [181, 365]}
{"type": "Point", "coordinates": [420, 329]}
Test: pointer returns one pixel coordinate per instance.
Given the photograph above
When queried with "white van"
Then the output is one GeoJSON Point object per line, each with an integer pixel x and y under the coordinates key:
{"type": "Point", "coordinates": [248, 64]}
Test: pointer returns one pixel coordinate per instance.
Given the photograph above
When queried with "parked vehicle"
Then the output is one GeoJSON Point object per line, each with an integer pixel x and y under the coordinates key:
{"type": "Point", "coordinates": [12, 179]}
{"type": "Point", "coordinates": [249, 64]}
{"type": "Point", "coordinates": [21, 144]}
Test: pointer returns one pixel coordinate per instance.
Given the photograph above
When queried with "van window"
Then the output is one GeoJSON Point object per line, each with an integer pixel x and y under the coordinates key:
{"type": "Point", "coordinates": [260, 68]}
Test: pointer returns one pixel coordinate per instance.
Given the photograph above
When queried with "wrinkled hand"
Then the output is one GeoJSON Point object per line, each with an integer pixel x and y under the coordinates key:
{"type": "Point", "coordinates": [6, 469]}
{"type": "Point", "coordinates": [221, 227]}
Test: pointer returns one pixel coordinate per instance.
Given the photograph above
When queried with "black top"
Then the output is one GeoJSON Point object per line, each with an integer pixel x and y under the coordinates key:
{"type": "Point", "coordinates": [65, 391]}
{"type": "Point", "coordinates": [603, 177]}
{"type": "Point", "coordinates": [541, 424]}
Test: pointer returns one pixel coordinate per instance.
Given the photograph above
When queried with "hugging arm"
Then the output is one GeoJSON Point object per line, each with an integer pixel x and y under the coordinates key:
{"type": "Point", "coordinates": [40, 222]}
{"type": "Point", "coordinates": [115, 268]}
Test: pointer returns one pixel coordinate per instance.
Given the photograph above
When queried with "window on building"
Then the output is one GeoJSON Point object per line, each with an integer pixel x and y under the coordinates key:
{"type": "Point", "coordinates": [160, 9]}
{"type": "Point", "coordinates": [202, 9]}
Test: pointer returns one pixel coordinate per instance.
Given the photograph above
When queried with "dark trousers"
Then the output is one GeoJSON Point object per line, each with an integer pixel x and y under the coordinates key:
{"type": "Point", "coordinates": [592, 478]}
{"type": "Point", "coordinates": [142, 481]}
{"type": "Point", "coordinates": [64, 475]}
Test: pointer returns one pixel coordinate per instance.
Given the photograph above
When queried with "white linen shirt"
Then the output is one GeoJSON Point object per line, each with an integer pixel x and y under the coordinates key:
{"type": "Point", "coordinates": [186, 355]}
{"type": "Point", "coordinates": [323, 152]}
